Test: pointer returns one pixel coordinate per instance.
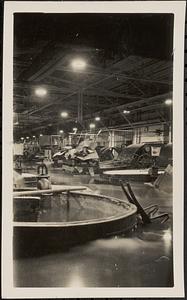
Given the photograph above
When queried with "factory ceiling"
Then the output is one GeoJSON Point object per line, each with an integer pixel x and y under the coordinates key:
{"type": "Point", "coordinates": [128, 68]}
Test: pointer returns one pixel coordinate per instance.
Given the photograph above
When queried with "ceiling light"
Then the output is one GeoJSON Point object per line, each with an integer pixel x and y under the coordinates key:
{"type": "Point", "coordinates": [41, 134]}
{"type": "Point", "coordinates": [61, 131]}
{"type": "Point", "coordinates": [33, 136]}
{"type": "Point", "coordinates": [92, 125]}
{"type": "Point", "coordinates": [168, 101]}
{"type": "Point", "coordinates": [22, 138]}
{"type": "Point", "coordinates": [78, 64]}
{"type": "Point", "coordinates": [64, 114]}
{"type": "Point", "coordinates": [97, 118]}
{"type": "Point", "coordinates": [40, 92]}
{"type": "Point", "coordinates": [27, 137]}
{"type": "Point", "coordinates": [126, 111]}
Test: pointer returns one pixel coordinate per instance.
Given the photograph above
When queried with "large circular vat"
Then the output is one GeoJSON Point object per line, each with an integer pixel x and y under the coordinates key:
{"type": "Point", "coordinates": [52, 222]}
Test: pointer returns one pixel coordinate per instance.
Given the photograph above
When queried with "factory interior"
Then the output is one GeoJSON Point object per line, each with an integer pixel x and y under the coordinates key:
{"type": "Point", "coordinates": [92, 157]}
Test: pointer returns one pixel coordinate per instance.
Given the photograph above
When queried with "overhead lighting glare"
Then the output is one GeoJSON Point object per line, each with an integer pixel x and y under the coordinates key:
{"type": "Point", "coordinates": [22, 138]}
{"type": "Point", "coordinates": [168, 101]}
{"type": "Point", "coordinates": [64, 114]}
{"type": "Point", "coordinates": [27, 137]}
{"type": "Point", "coordinates": [78, 64]}
{"type": "Point", "coordinates": [61, 131]}
{"type": "Point", "coordinates": [97, 118]}
{"type": "Point", "coordinates": [40, 92]}
{"type": "Point", "coordinates": [126, 111]}
{"type": "Point", "coordinates": [41, 134]}
{"type": "Point", "coordinates": [33, 136]}
{"type": "Point", "coordinates": [92, 125]}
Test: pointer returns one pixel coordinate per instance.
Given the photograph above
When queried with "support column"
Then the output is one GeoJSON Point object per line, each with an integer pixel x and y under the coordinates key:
{"type": "Point", "coordinates": [80, 107]}
{"type": "Point", "coordinates": [69, 139]}
{"type": "Point", "coordinates": [170, 134]}
{"type": "Point", "coordinates": [166, 134]}
{"type": "Point", "coordinates": [137, 136]}
{"type": "Point", "coordinates": [111, 138]}
{"type": "Point", "coordinates": [171, 125]}
{"type": "Point", "coordinates": [134, 136]}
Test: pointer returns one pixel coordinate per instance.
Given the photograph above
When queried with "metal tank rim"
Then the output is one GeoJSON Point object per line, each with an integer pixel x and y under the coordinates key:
{"type": "Point", "coordinates": [116, 201]}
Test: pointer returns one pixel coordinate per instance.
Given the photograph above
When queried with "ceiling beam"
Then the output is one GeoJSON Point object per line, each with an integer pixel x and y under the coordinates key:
{"type": "Point", "coordinates": [148, 122]}
{"type": "Point", "coordinates": [120, 108]}
{"type": "Point", "coordinates": [43, 63]}
{"type": "Point", "coordinates": [112, 110]}
{"type": "Point", "coordinates": [70, 82]}
{"type": "Point", "coordinates": [138, 103]}
{"type": "Point", "coordinates": [107, 93]}
{"type": "Point", "coordinates": [146, 108]}
{"type": "Point", "coordinates": [116, 74]}
{"type": "Point", "coordinates": [65, 97]}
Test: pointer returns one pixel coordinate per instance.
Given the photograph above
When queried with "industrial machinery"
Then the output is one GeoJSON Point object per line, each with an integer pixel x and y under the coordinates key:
{"type": "Point", "coordinates": [82, 159]}
{"type": "Point", "coordinates": [140, 156]}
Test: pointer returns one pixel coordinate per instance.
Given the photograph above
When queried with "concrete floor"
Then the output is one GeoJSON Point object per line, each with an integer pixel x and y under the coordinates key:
{"type": "Point", "coordinates": [139, 259]}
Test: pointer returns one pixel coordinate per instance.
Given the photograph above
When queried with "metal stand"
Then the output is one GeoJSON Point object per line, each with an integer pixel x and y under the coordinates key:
{"type": "Point", "coordinates": [147, 214]}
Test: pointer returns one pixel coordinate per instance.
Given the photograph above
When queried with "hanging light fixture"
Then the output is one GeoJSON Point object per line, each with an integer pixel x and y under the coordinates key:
{"type": "Point", "coordinates": [78, 64]}
{"type": "Point", "coordinates": [168, 102]}
{"type": "Point", "coordinates": [40, 92]}
{"type": "Point", "coordinates": [64, 114]}
{"type": "Point", "coordinates": [92, 125]}
{"type": "Point", "coordinates": [126, 111]}
{"type": "Point", "coordinates": [97, 119]}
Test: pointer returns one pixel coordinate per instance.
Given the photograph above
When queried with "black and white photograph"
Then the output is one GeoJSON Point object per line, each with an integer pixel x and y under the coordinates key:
{"type": "Point", "coordinates": [93, 149]}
